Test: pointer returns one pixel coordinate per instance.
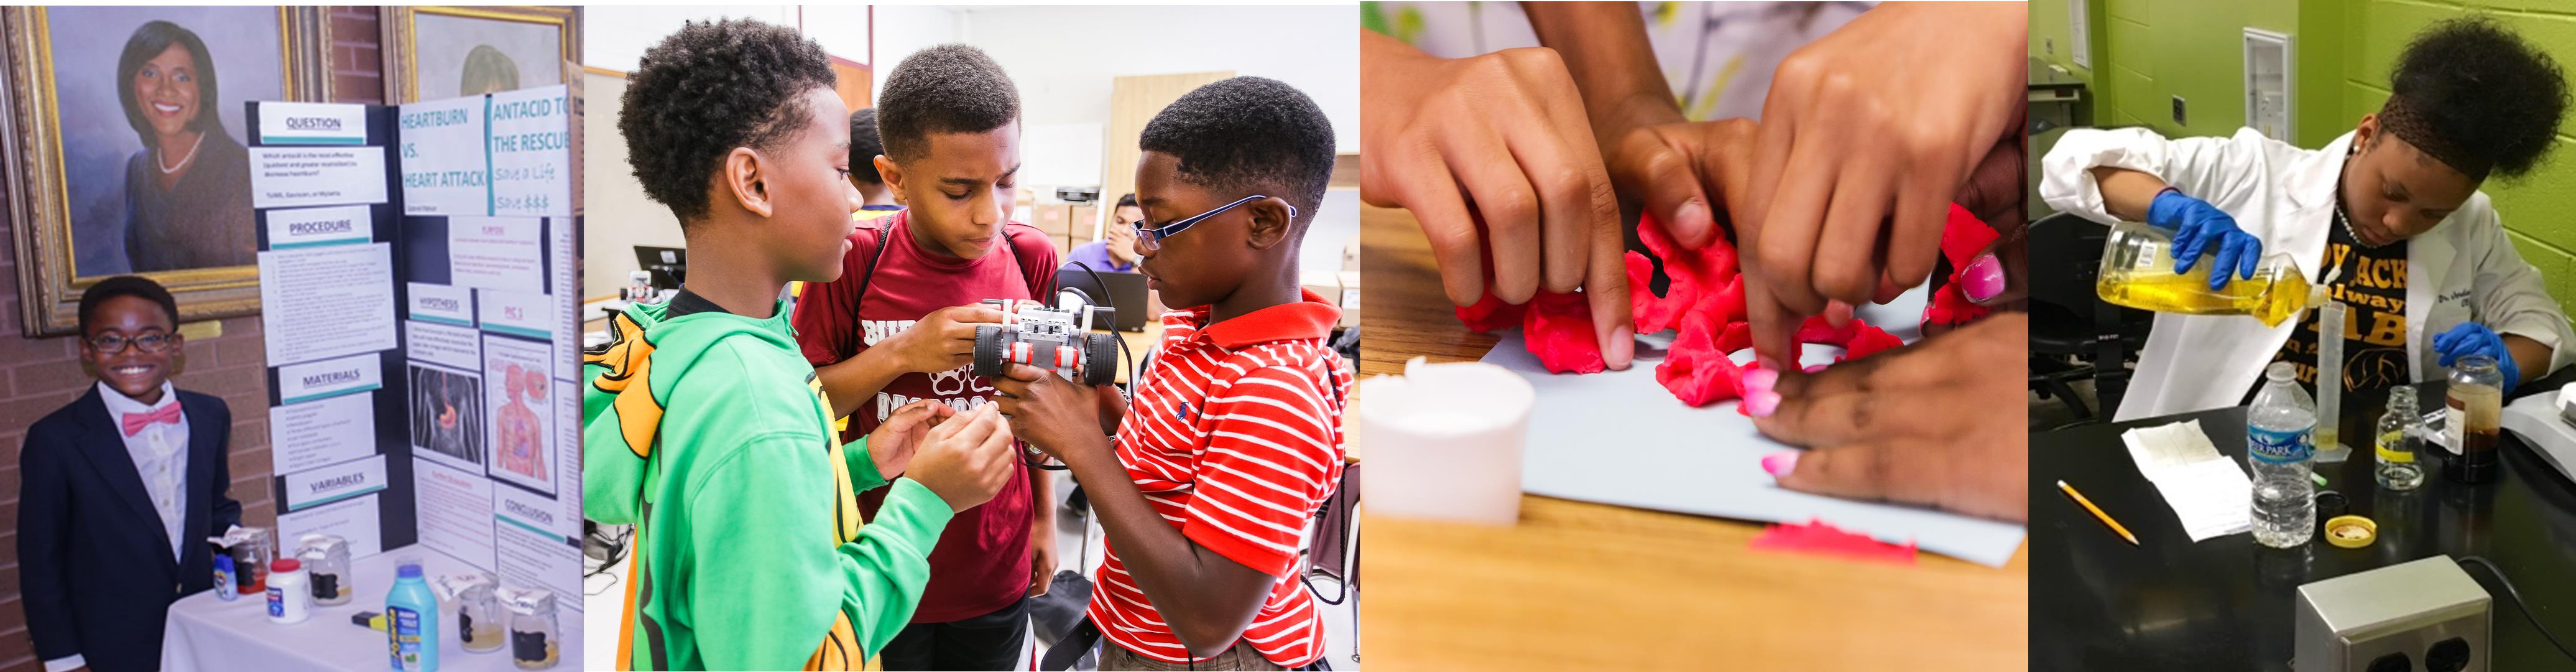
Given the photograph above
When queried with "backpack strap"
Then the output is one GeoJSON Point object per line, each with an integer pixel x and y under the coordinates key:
{"type": "Point", "coordinates": [870, 270]}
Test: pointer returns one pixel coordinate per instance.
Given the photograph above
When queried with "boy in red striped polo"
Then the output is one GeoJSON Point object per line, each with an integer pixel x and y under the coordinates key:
{"type": "Point", "coordinates": [1234, 438]}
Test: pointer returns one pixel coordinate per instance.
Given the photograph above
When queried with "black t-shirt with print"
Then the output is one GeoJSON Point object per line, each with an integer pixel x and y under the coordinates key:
{"type": "Point", "coordinates": [2373, 288]}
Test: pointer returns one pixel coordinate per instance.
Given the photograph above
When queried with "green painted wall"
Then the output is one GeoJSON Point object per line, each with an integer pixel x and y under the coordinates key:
{"type": "Point", "coordinates": [2147, 51]}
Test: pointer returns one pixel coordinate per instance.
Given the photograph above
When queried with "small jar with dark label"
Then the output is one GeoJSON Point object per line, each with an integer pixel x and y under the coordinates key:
{"type": "Point", "coordinates": [533, 641]}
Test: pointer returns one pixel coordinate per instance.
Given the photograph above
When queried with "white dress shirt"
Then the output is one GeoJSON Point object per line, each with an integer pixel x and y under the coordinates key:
{"type": "Point", "coordinates": [160, 453]}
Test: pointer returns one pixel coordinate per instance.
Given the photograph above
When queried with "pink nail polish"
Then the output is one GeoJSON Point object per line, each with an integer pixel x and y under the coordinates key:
{"type": "Point", "coordinates": [1760, 380]}
{"type": "Point", "coordinates": [1779, 464]}
{"type": "Point", "coordinates": [1983, 279]}
{"type": "Point", "coordinates": [1761, 403]}
{"type": "Point", "coordinates": [1814, 369]}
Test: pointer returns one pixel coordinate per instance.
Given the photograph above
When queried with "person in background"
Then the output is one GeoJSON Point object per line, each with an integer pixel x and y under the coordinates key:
{"type": "Point", "coordinates": [1116, 248]}
{"type": "Point", "coordinates": [120, 488]}
{"type": "Point", "coordinates": [865, 147]}
{"type": "Point", "coordinates": [2428, 271]}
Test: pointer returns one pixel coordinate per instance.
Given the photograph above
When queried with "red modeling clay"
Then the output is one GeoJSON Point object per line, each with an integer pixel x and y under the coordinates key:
{"type": "Point", "coordinates": [1558, 328]}
{"type": "Point", "coordinates": [1822, 538]}
{"type": "Point", "coordinates": [1490, 314]}
{"type": "Point", "coordinates": [1961, 238]}
{"type": "Point", "coordinates": [1704, 301]}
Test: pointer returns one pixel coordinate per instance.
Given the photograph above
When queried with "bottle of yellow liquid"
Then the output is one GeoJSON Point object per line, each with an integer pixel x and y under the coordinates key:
{"type": "Point", "coordinates": [2137, 271]}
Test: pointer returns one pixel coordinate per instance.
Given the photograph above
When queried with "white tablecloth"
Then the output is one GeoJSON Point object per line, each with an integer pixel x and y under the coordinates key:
{"type": "Point", "coordinates": [205, 633]}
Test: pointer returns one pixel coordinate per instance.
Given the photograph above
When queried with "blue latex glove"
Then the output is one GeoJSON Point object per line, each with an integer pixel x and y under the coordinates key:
{"type": "Point", "coordinates": [2471, 338]}
{"type": "Point", "coordinates": [2199, 227]}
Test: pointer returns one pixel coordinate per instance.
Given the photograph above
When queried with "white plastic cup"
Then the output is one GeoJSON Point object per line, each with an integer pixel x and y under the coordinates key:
{"type": "Point", "coordinates": [1443, 442]}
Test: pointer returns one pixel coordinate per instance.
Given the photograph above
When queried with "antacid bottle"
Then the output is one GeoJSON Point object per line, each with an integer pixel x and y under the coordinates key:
{"type": "Point", "coordinates": [2137, 271]}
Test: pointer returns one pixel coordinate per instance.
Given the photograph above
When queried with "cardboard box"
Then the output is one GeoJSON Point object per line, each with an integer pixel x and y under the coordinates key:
{"type": "Point", "coordinates": [1050, 218]}
{"type": "Point", "coordinates": [1082, 221]}
{"type": "Point", "coordinates": [1063, 246]}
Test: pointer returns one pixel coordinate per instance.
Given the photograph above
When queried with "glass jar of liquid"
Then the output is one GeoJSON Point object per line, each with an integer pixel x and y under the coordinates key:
{"type": "Point", "coordinates": [478, 611]}
{"type": "Point", "coordinates": [2137, 271]}
{"type": "Point", "coordinates": [326, 564]}
{"type": "Point", "coordinates": [533, 644]}
{"type": "Point", "coordinates": [2400, 432]}
{"type": "Point", "coordinates": [251, 554]}
{"type": "Point", "coordinates": [2476, 406]}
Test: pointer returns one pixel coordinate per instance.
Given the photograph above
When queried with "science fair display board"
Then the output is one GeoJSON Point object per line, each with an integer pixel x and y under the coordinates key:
{"type": "Point", "coordinates": [419, 292]}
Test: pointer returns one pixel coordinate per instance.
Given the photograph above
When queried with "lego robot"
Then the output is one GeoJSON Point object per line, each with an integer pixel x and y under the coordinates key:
{"type": "Point", "coordinates": [1058, 338]}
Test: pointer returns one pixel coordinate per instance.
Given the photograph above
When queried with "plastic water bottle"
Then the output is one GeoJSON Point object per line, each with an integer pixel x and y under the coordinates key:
{"type": "Point", "coordinates": [2279, 439]}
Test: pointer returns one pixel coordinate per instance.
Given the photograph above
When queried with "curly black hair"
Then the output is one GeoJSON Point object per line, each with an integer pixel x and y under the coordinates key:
{"type": "Point", "coordinates": [2477, 97]}
{"type": "Point", "coordinates": [126, 285]}
{"type": "Point", "coordinates": [1248, 134]}
{"type": "Point", "coordinates": [950, 88]}
{"type": "Point", "coordinates": [865, 146]}
{"type": "Point", "coordinates": [707, 89]}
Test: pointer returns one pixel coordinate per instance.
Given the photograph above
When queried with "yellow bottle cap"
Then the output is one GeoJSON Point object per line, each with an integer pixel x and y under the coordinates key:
{"type": "Point", "coordinates": [2351, 531]}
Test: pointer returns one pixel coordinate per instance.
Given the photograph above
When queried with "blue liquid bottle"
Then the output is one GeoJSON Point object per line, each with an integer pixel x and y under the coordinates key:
{"type": "Point", "coordinates": [411, 620]}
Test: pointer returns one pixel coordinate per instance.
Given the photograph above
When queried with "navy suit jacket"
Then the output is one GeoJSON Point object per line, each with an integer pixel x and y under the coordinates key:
{"type": "Point", "coordinates": [96, 567]}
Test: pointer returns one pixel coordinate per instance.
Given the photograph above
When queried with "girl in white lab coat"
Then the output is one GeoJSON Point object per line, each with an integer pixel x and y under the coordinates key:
{"type": "Point", "coordinates": [2427, 269]}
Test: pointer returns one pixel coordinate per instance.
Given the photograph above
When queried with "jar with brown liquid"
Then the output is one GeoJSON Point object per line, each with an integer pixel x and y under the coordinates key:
{"type": "Point", "coordinates": [2476, 405]}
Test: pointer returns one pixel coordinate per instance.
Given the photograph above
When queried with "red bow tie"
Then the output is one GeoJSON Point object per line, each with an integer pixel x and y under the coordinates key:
{"type": "Point", "coordinates": [135, 422]}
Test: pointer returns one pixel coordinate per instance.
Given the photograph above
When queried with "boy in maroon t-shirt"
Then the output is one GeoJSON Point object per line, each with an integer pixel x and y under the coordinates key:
{"type": "Point", "coordinates": [899, 325]}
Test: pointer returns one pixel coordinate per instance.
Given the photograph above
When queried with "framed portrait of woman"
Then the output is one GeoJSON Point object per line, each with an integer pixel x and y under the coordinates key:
{"type": "Point", "coordinates": [124, 140]}
{"type": "Point", "coordinates": [435, 53]}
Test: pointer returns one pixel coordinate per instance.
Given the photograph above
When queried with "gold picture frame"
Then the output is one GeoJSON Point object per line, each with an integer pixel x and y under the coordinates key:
{"type": "Point", "coordinates": [403, 41]}
{"type": "Point", "coordinates": [39, 198]}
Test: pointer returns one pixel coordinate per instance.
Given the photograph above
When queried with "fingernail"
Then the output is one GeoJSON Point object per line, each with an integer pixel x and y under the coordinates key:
{"type": "Point", "coordinates": [1779, 464]}
{"type": "Point", "coordinates": [1622, 347]}
{"type": "Point", "coordinates": [1983, 279]}
{"type": "Point", "coordinates": [1815, 368]}
{"type": "Point", "coordinates": [1760, 380]}
{"type": "Point", "coordinates": [1766, 362]}
{"type": "Point", "coordinates": [1761, 403]}
{"type": "Point", "coordinates": [1838, 314]}
{"type": "Point", "coordinates": [1694, 220]}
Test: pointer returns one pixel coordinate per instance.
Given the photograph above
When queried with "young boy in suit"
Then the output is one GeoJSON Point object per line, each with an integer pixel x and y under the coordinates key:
{"type": "Point", "coordinates": [120, 490]}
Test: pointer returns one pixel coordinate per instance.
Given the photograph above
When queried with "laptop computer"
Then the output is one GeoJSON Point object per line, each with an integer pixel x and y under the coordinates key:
{"type": "Point", "coordinates": [1124, 291]}
{"type": "Point", "coordinates": [669, 265]}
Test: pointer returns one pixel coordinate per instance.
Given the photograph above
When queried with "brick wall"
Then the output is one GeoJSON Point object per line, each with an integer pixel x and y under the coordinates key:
{"type": "Point", "coordinates": [38, 376]}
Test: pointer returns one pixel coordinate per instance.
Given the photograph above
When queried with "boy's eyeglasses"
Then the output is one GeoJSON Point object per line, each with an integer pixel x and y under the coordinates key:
{"type": "Point", "coordinates": [109, 344]}
{"type": "Point", "coordinates": [1151, 237]}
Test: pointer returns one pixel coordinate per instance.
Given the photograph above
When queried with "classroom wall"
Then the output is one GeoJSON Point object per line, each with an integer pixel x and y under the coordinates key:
{"type": "Point", "coordinates": [2144, 53]}
{"type": "Point", "coordinates": [38, 376]}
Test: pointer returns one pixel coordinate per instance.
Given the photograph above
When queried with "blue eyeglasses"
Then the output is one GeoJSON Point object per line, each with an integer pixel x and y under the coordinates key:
{"type": "Point", "coordinates": [1151, 237]}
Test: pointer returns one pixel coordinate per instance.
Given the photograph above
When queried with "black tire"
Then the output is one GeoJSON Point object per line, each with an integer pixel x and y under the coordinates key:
{"type": "Point", "coordinates": [988, 351]}
{"type": "Point", "coordinates": [1100, 359]}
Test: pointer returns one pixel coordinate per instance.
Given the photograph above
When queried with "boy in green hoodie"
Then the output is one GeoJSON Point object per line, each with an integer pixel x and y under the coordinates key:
{"type": "Point", "coordinates": [705, 428]}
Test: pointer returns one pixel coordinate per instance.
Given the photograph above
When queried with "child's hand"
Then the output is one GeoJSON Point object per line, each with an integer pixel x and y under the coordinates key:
{"type": "Point", "coordinates": [1913, 424]}
{"type": "Point", "coordinates": [1674, 168]}
{"type": "Point", "coordinates": [893, 443]}
{"type": "Point", "coordinates": [1501, 137]}
{"type": "Point", "coordinates": [966, 458]}
{"type": "Point", "coordinates": [942, 340]}
{"type": "Point", "coordinates": [1051, 413]}
{"type": "Point", "coordinates": [1042, 554]}
{"type": "Point", "coordinates": [1867, 135]}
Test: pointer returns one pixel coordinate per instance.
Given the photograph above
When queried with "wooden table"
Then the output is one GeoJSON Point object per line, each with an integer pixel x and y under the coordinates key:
{"type": "Point", "coordinates": [1588, 586]}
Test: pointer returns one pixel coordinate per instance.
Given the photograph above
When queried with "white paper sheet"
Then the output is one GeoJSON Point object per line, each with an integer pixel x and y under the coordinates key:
{"type": "Point", "coordinates": [2207, 491]}
{"type": "Point", "coordinates": [322, 432]}
{"type": "Point", "coordinates": [327, 301]}
{"type": "Point", "coordinates": [1618, 437]}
